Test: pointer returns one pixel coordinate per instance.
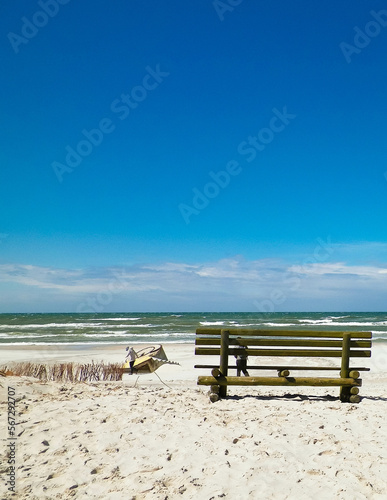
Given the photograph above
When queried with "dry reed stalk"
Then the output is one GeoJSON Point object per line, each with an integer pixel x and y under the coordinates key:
{"type": "Point", "coordinates": [68, 372]}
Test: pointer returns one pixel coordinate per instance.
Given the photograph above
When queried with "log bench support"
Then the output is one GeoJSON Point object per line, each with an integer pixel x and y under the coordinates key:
{"type": "Point", "coordinates": [221, 343]}
{"type": "Point", "coordinates": [224, 346]}
{"type": "Point", "coordinates": [344, 372]}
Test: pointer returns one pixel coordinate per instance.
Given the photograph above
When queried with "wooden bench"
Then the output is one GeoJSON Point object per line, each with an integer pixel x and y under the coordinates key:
{"type": "Point", "coordinates": [283, 344]}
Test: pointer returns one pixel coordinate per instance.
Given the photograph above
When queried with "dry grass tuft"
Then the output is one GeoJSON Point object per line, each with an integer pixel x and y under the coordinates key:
{"type": "Point", "coordinates": [67, 372]}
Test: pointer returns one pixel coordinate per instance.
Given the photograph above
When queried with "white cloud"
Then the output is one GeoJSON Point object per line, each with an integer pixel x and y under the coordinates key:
{"type": "Point", "coordinates": [227, 284]}
{"type": "Point", "coordinates": [339, 268]}
{"type": "Point", "coordinates": [38, 276]}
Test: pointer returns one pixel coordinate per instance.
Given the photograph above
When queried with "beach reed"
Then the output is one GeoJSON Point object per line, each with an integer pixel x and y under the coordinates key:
{"type": "Point", "coordinates": [67, 372]}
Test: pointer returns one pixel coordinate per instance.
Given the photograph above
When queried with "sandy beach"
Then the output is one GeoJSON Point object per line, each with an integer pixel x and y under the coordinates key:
{"type": "Point", "coordinates": [159, 437]}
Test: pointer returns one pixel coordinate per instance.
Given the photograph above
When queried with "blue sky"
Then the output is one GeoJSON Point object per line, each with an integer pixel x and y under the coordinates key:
{"type": "Point", "coordinates": [198, 155]}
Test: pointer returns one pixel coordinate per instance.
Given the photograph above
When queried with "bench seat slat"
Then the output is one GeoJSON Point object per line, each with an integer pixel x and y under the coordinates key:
{"type": "Point", "coordinates": [287, 367]}
{"type": "Point", "coordinates": [327, 353]}
{"type": "Point", "coordinates": [287, 342]}
{"type": "Point", "coordinates": [281, 333]}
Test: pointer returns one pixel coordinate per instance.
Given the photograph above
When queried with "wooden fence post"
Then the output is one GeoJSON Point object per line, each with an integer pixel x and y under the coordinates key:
{"type": "Point", "coordinates": [224, 343]}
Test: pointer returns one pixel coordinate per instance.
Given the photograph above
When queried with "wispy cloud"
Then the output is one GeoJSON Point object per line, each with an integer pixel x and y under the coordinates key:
{"type": "Point", "coordinates": [362, 252]}
{"type": "Point", "coordinates": [41, 277]}
{"type": "Point", "coordinates": [233, 283]}
{"type": "Point", "coordinates": [74, 280]}
{"type": "Point", "coordinates": [341, 269]}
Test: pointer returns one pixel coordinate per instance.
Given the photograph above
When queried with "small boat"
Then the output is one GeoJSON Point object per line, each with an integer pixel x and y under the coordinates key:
{"type": "Point", "coordinates": [148, 360]}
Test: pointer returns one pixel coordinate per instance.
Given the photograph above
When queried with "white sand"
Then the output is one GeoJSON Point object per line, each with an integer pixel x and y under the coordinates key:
{"type": "Point", "coordinates": [140, 439]}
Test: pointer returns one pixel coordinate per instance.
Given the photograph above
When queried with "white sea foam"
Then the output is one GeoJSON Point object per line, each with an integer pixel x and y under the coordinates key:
{"type": "Point", "coordinates": [76, 326]}
{"type": "Point", "coordinates": [278, 324]}
{"type": "Point", "coordinates": [344, 323]}
{"type": "Point", "coordinates": [52, 325]}
{"type": "Point", "coordinates": [116, 319]}
{"type": "Point", "coordinates": [212, 323]}
{"type": "Point", "coordinates": [91, 344]}
{"type": "Point", "coordinates": [31, 336]}
{"type": "Point", "coordinates": [357, 323]}
{"type": "Point", "coordinates": [102, 335]}
{"type": "Point", "coordinates": [137, 335]}
{"type": "Point", "coordinates": [244, 325]}
{"type": "Point", "coordinates": [149, 325]}
{"type": "Point", "coordinates": [316, 321]}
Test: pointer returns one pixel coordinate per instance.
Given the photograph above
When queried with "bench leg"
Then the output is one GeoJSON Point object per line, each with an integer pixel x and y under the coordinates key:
{"type": "Point", "coordinates": [213, 393]}
{"type": "Point", "coordinates": [345, 393]}
{"type": "Point", "coordinates": [224, 343]}
{"type": "Point", "coordinates": [344, 372]}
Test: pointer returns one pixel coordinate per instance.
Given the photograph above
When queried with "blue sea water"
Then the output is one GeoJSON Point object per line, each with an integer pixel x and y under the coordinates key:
{"type": "Point", "coordinates": [163, 328]}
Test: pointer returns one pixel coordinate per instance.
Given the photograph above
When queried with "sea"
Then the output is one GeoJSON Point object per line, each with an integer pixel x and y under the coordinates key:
{"type": "Point", "coordinates": [164, 328]}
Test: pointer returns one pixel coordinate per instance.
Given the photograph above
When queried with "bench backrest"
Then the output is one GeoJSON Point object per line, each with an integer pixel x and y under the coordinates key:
{"type": "Point", "coordinates": [292, 343]}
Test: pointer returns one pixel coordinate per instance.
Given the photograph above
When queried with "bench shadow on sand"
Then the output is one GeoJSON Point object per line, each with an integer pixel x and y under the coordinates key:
{"type": "Point", "coordinates": [298, 397]}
